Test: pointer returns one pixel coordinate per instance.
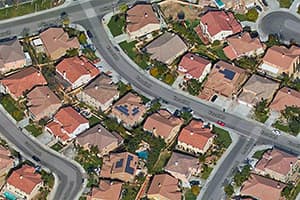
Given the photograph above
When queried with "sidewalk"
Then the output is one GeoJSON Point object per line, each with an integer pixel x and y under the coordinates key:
{"type": "Point", "coordinates": [294, 6]}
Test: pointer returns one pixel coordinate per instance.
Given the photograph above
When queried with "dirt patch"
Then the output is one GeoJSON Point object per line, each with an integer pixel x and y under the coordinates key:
{"type": "Point", "coordinates": [171, 10]}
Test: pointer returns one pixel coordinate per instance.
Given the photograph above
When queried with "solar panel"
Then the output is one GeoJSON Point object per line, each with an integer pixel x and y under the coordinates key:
{"type": "Point", "coordinates": [129, 169]}
{"type": "Point", "coordinates": [135, 111]}
{"type": "Point", "coordinates": [123, 109]}
{"type": "Point", "coordinates": [228, 73]}
{"type": "Point", "coordinates": [119, 163]}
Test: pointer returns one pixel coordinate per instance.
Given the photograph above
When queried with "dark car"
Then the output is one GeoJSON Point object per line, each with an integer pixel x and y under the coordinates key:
{"type": "Point", "coordinates": [258, 8]}
{"type": "Point", "coordinates": [116, 48]}
{"type": "Point", "coordinates": [35, 158]}
{"type": "Point", "coordinates": [187, 109]}
{"type": "Point", "coordinates": [89, 33]}
{"type": "Point", "coordinates": [265, 3]}
{"type": "Point", "coordinates": [214, 98]}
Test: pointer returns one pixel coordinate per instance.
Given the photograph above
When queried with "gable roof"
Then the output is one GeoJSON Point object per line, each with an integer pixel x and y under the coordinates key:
{"type": "Point", "coordinates": [281, 56]}
{"type": "Point", "coordinates": [285, 97]}
{"type": "Point", "coordinates": [218, 21]}
{"type": "Point", "coordinates": [10, 51]}
{"type": "Point", "coordinates": [258, 88]}
{"type": "Point", "coordinates": [195, 65]}
{"type": "Point", "coordinates": [182, 164]}
{"type": "Point", "coordinates": [195, 134]}
{"type": "Point", "coordinates": [166, 186]}
{"type": "Point", "coordinates": [73, 68]}
{"type": "Point", "coordinates": [262, 188]}
{"type": "Point", "coordinates": [165, 47]}
{"type": "Point", "coordinates": [241, 44]}
{"type": "Point", "coordinates": [101, 88]}
{"type": "Point", "coordinates": [106, 191]}
{"type": "Point", "coordinates": [140, 16]}
{"type": "Point", "coordinates": [23, 80]}
{"type": "Point", "coordinates": [98, 136]}
{"type": "Point", "coordinates": [277, 161]}
{"type": "Point", "coordinates": [24, 179]}
{"type": "Point", "coordinates": [163, 122]}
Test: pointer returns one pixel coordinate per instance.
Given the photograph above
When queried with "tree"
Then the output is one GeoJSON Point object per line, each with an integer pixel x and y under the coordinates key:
{"type": "Point", "coordinates": [228, 189]}
{"type": "Point", "coordinates": [252, 15]}
{"type": "Point", "coordinates": [193, 86]}
{"type": "Point", "coordinates": [261, 111]}
{"type": "Point", "coordinates": [272, 40]}
{"type": "Point", "coordinates": [72, 52]}
{"type": "Point", "coordinates": [195, 190]}
{"type": "Point", "coordinates": [82, 38]}
{"type": "Point", "coordinates": [123, 8]}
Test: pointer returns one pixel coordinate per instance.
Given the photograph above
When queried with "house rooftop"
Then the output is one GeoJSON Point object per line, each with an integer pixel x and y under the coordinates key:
{"type": "Point", "coordinates": [262, 188]}
{"type": "Point", "coordinates": [10, 51]}
{"type": "Point", "coordinates": [166, 186]}
{"type": "Point", "coordinates": [258, 88]}
{"type": "Point", "coordinates": [106, 191]}
{"type": "Point", "coordinates": [163, 122]}
{"type": "Point", "coordinates": [285, 97]}
{"type": "Point", "coordinates": [23, 80]}
{"type": "Point", "coordinates": [277, 161]}
{"type": "Point", "coordinates": [25, 179]}
{"type": "Point", "coordinates": [195, 134]}
{"type": "Point", "coordinates": [182, 164]}
{"type": "Point", "coordinates": [140, 16]}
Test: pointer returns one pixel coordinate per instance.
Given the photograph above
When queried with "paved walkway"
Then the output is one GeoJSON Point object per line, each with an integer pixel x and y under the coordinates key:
{"type": "Point", "coordinates": [294, 6]}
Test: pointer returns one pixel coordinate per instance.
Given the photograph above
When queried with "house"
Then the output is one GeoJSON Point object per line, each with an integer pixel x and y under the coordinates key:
{"type": "Point", "coordinates": [243, 45]}
{"type": "Point", "coordinates": [224, 79]}
{"type": "Point", "coordinates": [100, 137]}
{"type": "Point", "coordinates": [129, 110]}
{"type": "Point", "coordinates": [279, 60]}
{"type": "Point", "coordinates": [141, 20]}
{"type": "Point", "coordinates": [57, 42]}
{"type": "Point", "coordinates": [67, 123]}
{"type": "Point", "coordinates": [285, 97]}
{"type": "Point", "coordinates": [195, 138]}
{"type": "Point", "coordinates": [11, 55]}
{"type": "Point", "coordinates": [164, 186]}
{"type": "Point", "coordinates": [22, 81]}
{"type": "Point", "coordinates": [182, 167]}
{"type": "Point", "coordinates": [99, 93]}
{"type": "Point", "coordinates": [262, 188]}
{"type": "Point", "coordinates": [23, 183]}
{"type": "Point", "coordinates": [42, 103]}
{"type": "Point", "coordinates": [194, 67]}
{"type": "Point", "coordinates": [217, 25]}
{"type": "Point", "coordinates": [121, 166]}
{"type": "Point", "coordinates": [6, 163]}
{"type": "Point", "coordinates": [106, 191]}
{"type": "Point", "coordinates": [76, 71]}
{"type": "Point", "coordinates": [163, 124]}
{"type": "Point", "coordinates": [278, 164]}
{"type": "Point", "coordinates": [166, 48]}
{"type": "Point", "coordinates": [256, 89]}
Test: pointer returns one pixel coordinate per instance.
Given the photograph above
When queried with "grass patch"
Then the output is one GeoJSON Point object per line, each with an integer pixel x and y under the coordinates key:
{"type": "Point", "coordinates": [223, 138]}
{"type": "Point", "coordinates": [12, 107]}
{"type": "Point", "coordinates": [130, 191]}
{"type": "Point", "coordinates": [258, 154]}
{"type": "Point", "coordinates": [247, 63]}
{"type": "Point", "coordinates": [130, 49]}
{"type": "Point", "coordinates": [93, 120]}
{"type": "Point", "coordinates": [57, 146]}
{"type": "Point", "coordinates": [189, 195]}
{"type": "Point", "coordinates": [163, 159]}
{"type": "Point", "coordinates": [26, 8]}
{"type": "Point", "coordinates": [251, 15]}
{"type": "Point", "coordinates": [116, 24]}
{"type": "Point", "coordinates": [282, 127]}
{"type": "Point", "coordinates": [206, 172]}
{"type": "Point", "coordinates": [34, 129]}
{"type": "Point", "coordinates": [285, 3]}
{"type": "Point", "coordinates": [218, 51]}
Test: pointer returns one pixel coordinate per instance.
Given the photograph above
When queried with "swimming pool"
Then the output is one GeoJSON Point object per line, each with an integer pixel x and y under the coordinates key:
{"type": "Point", "coordinates": [9, 196]}
{"type": "Point", "coordinates": [143, 154]}
{"type": "Point", "coordinates": [219, 3]}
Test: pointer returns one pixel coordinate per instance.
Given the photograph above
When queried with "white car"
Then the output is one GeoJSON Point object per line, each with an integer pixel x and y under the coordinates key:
{"type": "Point", "coordinates": [276, 132]}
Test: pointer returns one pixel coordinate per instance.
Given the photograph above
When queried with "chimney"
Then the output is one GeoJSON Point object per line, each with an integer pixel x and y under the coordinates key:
{"type": "Point", "coordinates": [159, 184]}
{"type": "Point", "coordinates": [64, 74]}
{"type": "Point", "coordinates": [82, 63]}
{"type": "Point", "coordinates": [96, 87]}
{"type": "Point", "coordinates": [146, 15]}
{"type": "Point", "coordinates": [278, 185]}
{"type": "Point", "coordinates": [48, 95]}
{"type": "Point", "coordinates": [99, 130]}
{"type": "Point", "coordinates": [191, 133]}
{"type": "Point", "coordinates": [291, 164]}
{"type": "Point", "coordinates": [176, 163]}
{"type": "Point", "coordinates": [192, 57]}
{"type": "Point", "coordinates": [39, 73]}
{"type": "Point", "coordinates": [21, 177]}
{"type": "Point", "coordinates": [289, 91]}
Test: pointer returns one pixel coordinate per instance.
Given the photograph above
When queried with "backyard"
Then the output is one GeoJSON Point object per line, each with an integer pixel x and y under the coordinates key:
{"type": "Point", "coordinates": [12, 107]}
{"type": "Point", "coordinates": [34, 129]}
{"type": "Point", "coordinates": [19, 9]}
{"type": "Point", "coordinates": [116, 24]}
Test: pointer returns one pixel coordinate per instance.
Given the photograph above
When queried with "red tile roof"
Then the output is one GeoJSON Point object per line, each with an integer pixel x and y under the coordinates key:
{"type": "Point", "coordinates": [218, 21]}
{"type": "Point", "coordinates": [24, 179]}
{"type": "Point", "coordinates": [66, 121]}
{"type": "Point", "coordinates": [193, 65]}
{"type": "Point", "coordinates": [23, 80]}
{"type": "Point", "coordinates": [262, 188]}
{"type": "Point", "coordinates": [106, 191]}
{"type": "Point", "coordinates": [75, 67]}
{"type": "Point", "coordinates": [195, 134]}
{"type": "Point", "coordinates": [285, 97]}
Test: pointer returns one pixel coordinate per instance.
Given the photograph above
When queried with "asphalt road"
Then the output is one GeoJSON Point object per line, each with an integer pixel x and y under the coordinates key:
{"type": "Point", "coordinates": [282, 23]}
{"type": "Point", "coordinates": [69, 175]}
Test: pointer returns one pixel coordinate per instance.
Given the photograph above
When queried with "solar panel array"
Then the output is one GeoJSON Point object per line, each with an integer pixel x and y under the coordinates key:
{"type": "Point", "coordinates": [129, 169]}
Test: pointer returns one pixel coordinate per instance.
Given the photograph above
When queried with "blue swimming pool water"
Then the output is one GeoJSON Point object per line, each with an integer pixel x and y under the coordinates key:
{"type": "Point", "coordinates": [219, 3]}
{"type": "Point", "coordinates": [9, 196]}
{"type": "Point", "coordinates": [143, 154]}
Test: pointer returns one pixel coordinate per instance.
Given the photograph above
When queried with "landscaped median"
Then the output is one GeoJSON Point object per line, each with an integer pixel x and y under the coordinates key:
{"type": "Point", "coordinates": [19, 9]}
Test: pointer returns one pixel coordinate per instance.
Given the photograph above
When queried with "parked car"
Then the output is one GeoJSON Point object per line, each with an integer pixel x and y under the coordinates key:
{"type": "Point", "coordinates": [220, 123]}
{"type": "Point", "coordinates": [258, 8]}
{"type": "Point", "coordinates": [276, 132]}
{"type": "Point", "coordinates": [35, 158]}
{"type": "Point", "coordinates": [89, 33]}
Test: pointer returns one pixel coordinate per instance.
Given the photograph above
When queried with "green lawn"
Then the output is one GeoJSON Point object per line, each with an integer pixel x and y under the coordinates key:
{"type": "Point", "coordinates": [205, 174]}
{"type": "Point", "coordinates": [12, 107]}
{"type": "Point", "coordinates": [285, 3]}
{"type": "Point", "coordinates": [189, 195]}
{"type": "Point", "coordinates": [27, 8]}
{"type": "Point", "coordinates": [258, 154]}
{"type": "Point", "coordinates": [93, 120]}
{"type": "Point", "coordinates": [163, 159]}
{"type": "Point", "coordinates": [282, 127]}
{"type": "Point", "coordinates": [223, 138]}
{"type": "Point", "coordinates": [34, 129]}
{"type": "Point", "coordinates": [218, 51]}
{"type": "Point", "coordinates": [57, 146]}
{"type": "Point", "coordinates": [116, 24]}
{"type": "Point", "coordinates": [132, 52]}
{"type": "Point", "coordinates": [90, 54]}
{"type": "Point", "coordinates": [130, 191]}
{"type": "Point", "coordinates": [251, 15]}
